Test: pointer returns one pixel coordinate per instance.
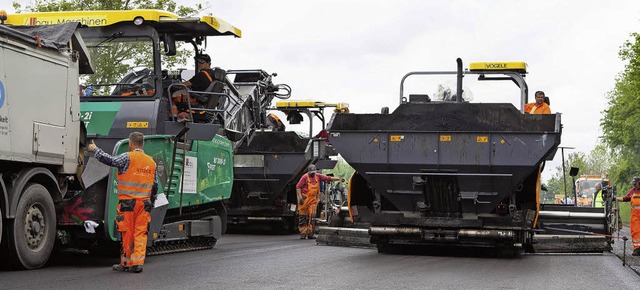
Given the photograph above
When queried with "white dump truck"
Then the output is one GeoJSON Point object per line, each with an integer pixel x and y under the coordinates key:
{"type": "Point", "coordinates": [41, 135]}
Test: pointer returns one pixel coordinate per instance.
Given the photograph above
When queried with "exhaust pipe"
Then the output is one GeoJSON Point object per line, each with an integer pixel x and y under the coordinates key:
{"type": "Point", "coordinates": [459, 81]}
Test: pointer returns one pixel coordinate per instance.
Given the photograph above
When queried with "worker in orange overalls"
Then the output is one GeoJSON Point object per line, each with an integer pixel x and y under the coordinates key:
{"type": "Point", "coordinates": [633, 196]}
{"type": "Point", "coordinates": [307, 190]}
{"type": "Point", "coordinates": [539, 107]}
{"type": "Point", "coordinates": [137, 187]}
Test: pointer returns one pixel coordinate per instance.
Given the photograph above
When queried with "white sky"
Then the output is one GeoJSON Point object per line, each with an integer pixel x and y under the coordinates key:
{"type": "Point", "coordinates": [357, 51]}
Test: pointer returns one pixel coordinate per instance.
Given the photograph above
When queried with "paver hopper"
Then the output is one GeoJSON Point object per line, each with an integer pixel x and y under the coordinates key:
{"type": "Point", "coordinates": [265, 171]}
{"type": "Point", "coordinates": [269, 164]}
{"type": "Point", "coordinates": [450, 172]}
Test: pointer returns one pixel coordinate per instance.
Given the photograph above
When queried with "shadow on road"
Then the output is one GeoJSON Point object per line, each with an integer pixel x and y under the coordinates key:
{"type": "Point", "coordinates": [447, 251]}
{"type": "Point", "coordinates": [77, 258]}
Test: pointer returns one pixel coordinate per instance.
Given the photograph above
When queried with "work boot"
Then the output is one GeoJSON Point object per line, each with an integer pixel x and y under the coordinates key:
{"type": "Point", "coordinates": [136, 268]}
{"type": "Point", "coordinates": [636, 252]}
{"type": "Point", "coordinates": [119, 268]}
{"type": "Point", "coordinates": [303, 236]}
{"type": "Point", "coordinates": [312, 237]}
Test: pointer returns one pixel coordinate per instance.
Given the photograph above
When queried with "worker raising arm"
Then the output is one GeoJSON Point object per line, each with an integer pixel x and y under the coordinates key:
{"type": "Point", "coordinates": [307, 190]}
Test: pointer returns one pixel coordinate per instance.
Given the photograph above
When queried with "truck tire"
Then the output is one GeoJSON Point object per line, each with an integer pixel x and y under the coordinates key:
{"type": "Point", "coordinates": [31, 234]}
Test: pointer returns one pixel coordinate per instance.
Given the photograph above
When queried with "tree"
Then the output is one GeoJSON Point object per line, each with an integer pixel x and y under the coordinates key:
{"type": "Point", "coordinates": [84, 5]}
{"type": "Point", "coordinates": [559, 182]}
{"type": "Point", "coordinates": [620, 122]}
{"type": "Point", "coordinates": [114, 60]}
{"type": "Point", "coordinates": [342, 169]}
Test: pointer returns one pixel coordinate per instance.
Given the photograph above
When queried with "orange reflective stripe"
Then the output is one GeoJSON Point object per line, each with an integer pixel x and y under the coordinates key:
{"type": "Point", "coordinates": [208, 76]}
{"type": "Point", "coordinates": [137, 181]}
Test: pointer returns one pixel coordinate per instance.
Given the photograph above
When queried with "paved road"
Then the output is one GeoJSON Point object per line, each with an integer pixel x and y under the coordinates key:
{"type": "Point", "coordinates": [280, 262]}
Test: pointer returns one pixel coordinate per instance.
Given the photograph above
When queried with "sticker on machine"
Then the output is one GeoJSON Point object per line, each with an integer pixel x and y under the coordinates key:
{"type": "Point", "coordinates": [190, 179]}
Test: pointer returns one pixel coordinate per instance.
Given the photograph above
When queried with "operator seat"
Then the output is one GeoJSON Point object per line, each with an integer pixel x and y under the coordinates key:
{"type": "Point", "coordinates": [210, 101]}
{"type": "Point", "coordinates": [213, 101]}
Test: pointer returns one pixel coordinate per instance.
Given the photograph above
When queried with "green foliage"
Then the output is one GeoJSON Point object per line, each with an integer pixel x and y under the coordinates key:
{"type": "Point", "coordinates": [596, 163]}
{"type": "Point", "coordinates": [114, 61]}
{"type": "Point", "coordinates": [620, 122]}
{"type": "Point", "coordinates": [84, 5]}
{"type": "Point", "coordinates": [342, 169]}
{"type": "Point", "coordinates": [621, 119]}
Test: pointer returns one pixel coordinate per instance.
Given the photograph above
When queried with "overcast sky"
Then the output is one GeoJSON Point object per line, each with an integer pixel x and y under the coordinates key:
{"type": "Point", "coordinates": [357, 51]}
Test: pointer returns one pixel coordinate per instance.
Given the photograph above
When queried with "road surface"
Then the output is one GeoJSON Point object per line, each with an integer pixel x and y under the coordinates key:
{"type": "Point", "coordinates": [286, 262]}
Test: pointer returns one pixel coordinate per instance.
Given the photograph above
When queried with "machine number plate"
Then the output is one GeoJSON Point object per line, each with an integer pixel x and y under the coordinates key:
{"type": "Point", "coordinates": [445, 138]}
{"type": "Point", "coordinates": [137, 124]}
{"type": "Point", "coordinates": [482, 139]}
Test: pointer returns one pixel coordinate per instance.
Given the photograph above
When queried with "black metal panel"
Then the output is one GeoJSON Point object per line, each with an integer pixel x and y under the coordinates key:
{"type": "Point", "coordinates": [447, 117]}
{"type": "Point", "coordinates": [274, 142]}
{"type": "Point", "coordinates": [491, 149]}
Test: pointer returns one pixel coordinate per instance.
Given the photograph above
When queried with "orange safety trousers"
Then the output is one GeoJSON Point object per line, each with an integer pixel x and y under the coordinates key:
{"type": "Point", "coordinates": [132, 221]}
{"type": "Point", "coordinates": [307, 210]}
{"type": "Point", "coordinates": [634, 224]}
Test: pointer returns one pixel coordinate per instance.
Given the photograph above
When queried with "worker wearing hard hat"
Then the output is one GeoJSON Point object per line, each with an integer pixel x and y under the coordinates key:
{"type": "Point", "coordinates": [539, 107]}
{"type": "Point", "coordinates": [307, 191]}
{"type": "Point", "coordinates": [633, 196]}
{"type": "Point", "coordinates": [137, 187]}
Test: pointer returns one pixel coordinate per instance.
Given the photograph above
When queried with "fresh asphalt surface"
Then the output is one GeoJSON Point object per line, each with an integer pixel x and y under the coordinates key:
{"type": "Point", "coordinates": [286, 262]}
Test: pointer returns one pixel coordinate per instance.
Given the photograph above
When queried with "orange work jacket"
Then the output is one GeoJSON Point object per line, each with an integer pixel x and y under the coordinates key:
{"type": "Point", "coordinates": [137, 181]}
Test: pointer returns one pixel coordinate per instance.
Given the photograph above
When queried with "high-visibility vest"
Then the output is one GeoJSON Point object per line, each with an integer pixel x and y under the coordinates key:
{"type": "Point", "coordinates": [137, 181]}
{"type": "Point", "coordinates": [598, 201]}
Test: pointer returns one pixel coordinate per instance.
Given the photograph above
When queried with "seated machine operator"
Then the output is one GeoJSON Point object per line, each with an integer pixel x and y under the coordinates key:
{"type": "Point", "coordinates": [203, 78]}
{"type": "Point", "coordinates": [539, 107]}
{"type": "Point", "coordinates": [199, 82]}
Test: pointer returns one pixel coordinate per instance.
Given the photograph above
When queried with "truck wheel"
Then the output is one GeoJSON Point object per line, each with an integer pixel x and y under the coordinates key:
{"type": "Point", "coordinates": [31, 234]}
